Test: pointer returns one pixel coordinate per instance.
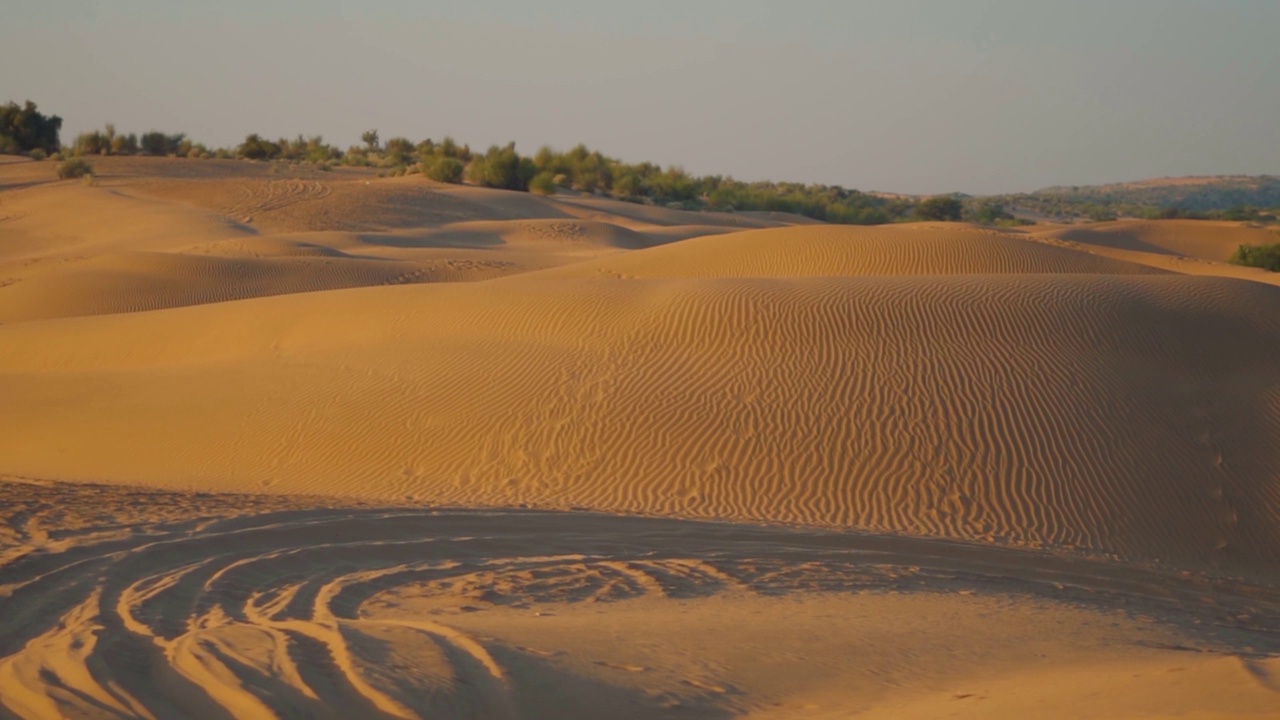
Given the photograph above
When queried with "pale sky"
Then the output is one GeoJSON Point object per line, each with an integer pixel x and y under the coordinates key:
{"type": "Point", "coordinates": [917, 96]}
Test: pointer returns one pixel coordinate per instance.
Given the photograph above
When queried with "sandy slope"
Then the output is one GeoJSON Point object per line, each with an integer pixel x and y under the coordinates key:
{"type": "Point", "coordinates": [156, 233]}
{"type": "Point", "coordinates": [117, 603]}
{"type": "Point", "coordinates": [1190, 238]}
{"type": "Point", "coordinates": [1181, 246]}
{"type": "Point", "coordinates": [835, 250]}
{"type": "Point", "coordinates": [1128, 414]}
{"type": "Point", "coordinates": [979, 396]}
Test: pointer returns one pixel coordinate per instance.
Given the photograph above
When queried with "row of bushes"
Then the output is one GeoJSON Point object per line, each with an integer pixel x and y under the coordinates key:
{"type": "Point", "coordinates": [24, 129]}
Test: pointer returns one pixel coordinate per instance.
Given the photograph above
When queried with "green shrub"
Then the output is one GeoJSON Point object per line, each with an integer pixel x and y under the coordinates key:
{"type": "Point", "coordinates": [443, 169]}
{"type": "Point", "coordinates": [941, 208]}
{"type": "Point", "coordinates": [255, 147]}
{"type": "Point", "coordinates": [1260, 256]}
{"type": "Point", "coordinates": [544, 183]}
{"type": "Point", "coordinates": [38, 154]}
{"type": "Point", "coordinates": [502, 167]}
{"type": "Point", "coordinates": [75, 168]}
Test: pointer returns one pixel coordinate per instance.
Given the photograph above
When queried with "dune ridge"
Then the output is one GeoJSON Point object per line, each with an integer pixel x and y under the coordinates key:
{"type": "Point", "coordinates": [843, 250]}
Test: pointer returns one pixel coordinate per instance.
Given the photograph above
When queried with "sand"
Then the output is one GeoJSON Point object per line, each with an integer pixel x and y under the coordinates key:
{"type": "Point", "coordinates": [379, 447]}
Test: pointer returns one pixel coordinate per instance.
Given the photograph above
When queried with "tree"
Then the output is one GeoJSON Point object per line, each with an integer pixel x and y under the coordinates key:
{"type": "Point", "coordinates": [160, 144]}
{"type": "Point", "coordinates": [255, 148]}
{"type": "Point", "coordinates": [23, 129]}
{"type": "Point", "coordinates": [370, 138]}
{"type": "Point", "coordinates": [941, 208]}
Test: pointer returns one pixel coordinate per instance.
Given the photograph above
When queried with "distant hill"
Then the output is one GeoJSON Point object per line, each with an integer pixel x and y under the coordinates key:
{"type": "Point", "coordinates": [1227, 196]}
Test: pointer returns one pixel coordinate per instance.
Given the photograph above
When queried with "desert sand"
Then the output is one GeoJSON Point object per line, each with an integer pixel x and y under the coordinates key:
{"type": "Point", "coordinates": [285, 443]}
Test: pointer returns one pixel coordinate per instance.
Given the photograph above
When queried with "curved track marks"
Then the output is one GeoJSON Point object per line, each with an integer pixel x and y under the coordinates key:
{"type": "Point", "coordinates": [300, 612]}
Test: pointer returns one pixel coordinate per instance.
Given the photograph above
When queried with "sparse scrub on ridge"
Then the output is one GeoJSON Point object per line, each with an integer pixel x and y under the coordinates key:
{"type": "Point", "coordinates": [159, 144]}
{"type": "Point", "coordinates": [75, 167]}
{"type": "Point", "coordinates": [992, 212]}
{"type": "Point", "coordinates": [1259, 256]}
{"type": "Point", "coordinates": [1233, 198]}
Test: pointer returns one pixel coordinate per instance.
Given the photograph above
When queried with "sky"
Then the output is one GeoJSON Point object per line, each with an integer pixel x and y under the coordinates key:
{"type": "Point", "coordinates": [912, 96]}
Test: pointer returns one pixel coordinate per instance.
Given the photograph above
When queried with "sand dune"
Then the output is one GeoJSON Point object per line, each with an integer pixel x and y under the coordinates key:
{"type": "Point", "coordinates": [139, 242]}
{"type": "Point", "coordinates": [154, 605]}
{"type": "Point", "coordinates": [834, 250]}
{"type": "Point", "coordinates": [1022, 466]}
{"type": "Point", "coordinates": [146, 281]}
{"type": "Point", "coordinates": [1190, 238]}
{"type": "Point", "coordinates": [1127, 414]}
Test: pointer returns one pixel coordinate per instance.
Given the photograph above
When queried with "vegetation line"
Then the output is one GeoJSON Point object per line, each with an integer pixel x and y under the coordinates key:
{"type": "Point", "coordinates": [24, 130]}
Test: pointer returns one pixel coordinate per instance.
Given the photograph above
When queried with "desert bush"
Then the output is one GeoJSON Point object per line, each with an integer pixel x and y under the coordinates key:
{"type": "Point", "coordinates": [398, 151]}
{"type": "Point", "coordinates": [124, 144]}
{"type": "Point", "coordinates": [1260, 256]}
{"type": "Point", "coordinates": [255, 147]}
{"type": "Point", "coordinates": [502, 167]}
{"type": "Point", "coordinates": [91, 143]}
{"type": "Point", "coordinates": [443, 169]}
{"type": "Point", "coordinates": [75, 167]}
{"type": "Point", "coordinates": [940, 208]}
{"type": "Point", "coordinates": [544, 183]}
{"type": "Point", "coordinates": [38, 154]}
{"type": "Point", "coordinates": [56, 157]}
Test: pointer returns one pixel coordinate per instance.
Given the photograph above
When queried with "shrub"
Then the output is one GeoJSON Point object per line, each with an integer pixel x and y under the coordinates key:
{"type": "Point", "coordinates": [38, 154]}
{"type": "Point", "coordinates": [544, 183]}
{"type": "Point", "coordinates": [443, 169]}
{"type": "Point", "coordinates": [75, 168]}
{"type": "Point", "coordinates": [1260, 256]}
{"type": "Point", "coordinates": [941, 208]}
{"type": "Point", "coordinates": [502, 167]}
{"type": "Point", "coordinates": [255, 148]}
{"type": "Point", "coordinates": [91, 143]}
{"type": "Point", "coordinates": [398, 151]}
